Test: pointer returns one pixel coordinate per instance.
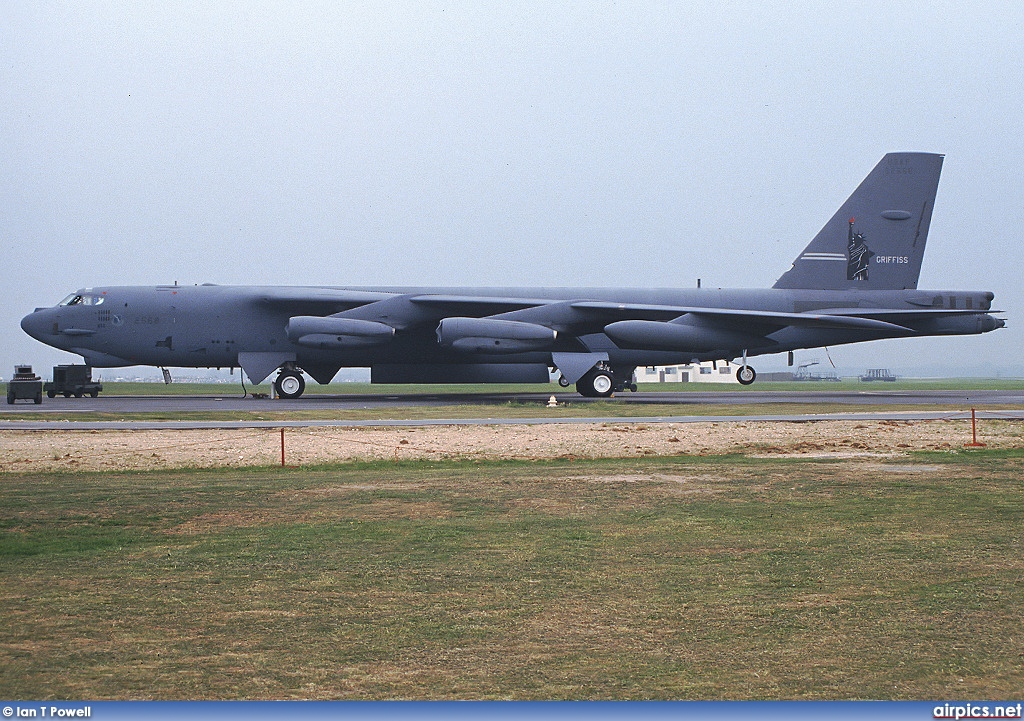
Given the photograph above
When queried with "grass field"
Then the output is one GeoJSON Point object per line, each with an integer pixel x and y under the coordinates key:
{"type": "Point", "coordinates": [720, 577]}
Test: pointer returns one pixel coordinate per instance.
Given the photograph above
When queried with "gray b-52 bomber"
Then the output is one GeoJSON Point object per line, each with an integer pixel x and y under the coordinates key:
{"type": "Point", "coordinates": [856, 281]}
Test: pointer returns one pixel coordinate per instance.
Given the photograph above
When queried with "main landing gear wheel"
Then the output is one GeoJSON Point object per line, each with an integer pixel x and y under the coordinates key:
{"type": "Point", "coordinates": [596, 384]}
{"type": "Point", "coordinates": [290, 384]}
{"type": "Point", "coordinates": [746, 375]}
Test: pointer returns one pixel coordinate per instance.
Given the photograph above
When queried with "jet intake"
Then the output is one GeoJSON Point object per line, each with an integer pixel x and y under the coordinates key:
{"type": "Point", "coordinates": [651, 334]}
{"type": "Point", "coordinates": [337, 333]}
{"type": "Point", "coordinates": [489, 335]}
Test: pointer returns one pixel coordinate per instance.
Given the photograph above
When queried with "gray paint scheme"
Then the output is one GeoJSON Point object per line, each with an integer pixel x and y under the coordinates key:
{"type": "Point", "coordinates": [856, 281]}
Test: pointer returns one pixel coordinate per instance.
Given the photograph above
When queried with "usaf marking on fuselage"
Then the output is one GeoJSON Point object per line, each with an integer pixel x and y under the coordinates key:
{"type": "Point", "coordinates": [856, 281]}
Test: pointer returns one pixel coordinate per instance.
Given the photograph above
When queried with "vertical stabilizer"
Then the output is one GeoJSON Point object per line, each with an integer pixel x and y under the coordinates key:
{"type": "Point", "coordinates": [876, 240]}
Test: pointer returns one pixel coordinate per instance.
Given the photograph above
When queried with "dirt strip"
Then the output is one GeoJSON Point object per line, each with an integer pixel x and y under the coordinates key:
{"type": "Point", "coordinates": [27, 451]}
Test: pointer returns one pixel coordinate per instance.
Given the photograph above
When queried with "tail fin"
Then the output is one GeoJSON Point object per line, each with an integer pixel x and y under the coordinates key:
{"type": "Point", "coordinates": [876, 240]}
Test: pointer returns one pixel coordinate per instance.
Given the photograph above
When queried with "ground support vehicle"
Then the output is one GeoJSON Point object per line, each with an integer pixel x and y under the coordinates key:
{"type": "Point", "coordinates": [72, 380]}
{"type": "Point", "coordinates": [25, 385]}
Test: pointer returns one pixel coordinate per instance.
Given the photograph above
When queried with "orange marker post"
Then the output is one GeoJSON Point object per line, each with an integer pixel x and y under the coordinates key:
{"type": "Point", "coordinates": [974, 433]}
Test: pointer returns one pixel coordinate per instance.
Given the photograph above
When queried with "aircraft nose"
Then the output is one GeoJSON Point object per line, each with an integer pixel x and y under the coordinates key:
{"type": "Point", "coordinates": [37, 323]}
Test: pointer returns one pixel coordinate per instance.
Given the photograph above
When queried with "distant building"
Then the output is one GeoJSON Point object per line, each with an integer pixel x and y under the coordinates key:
{"type": "Point", "coordinates": [708, 372]}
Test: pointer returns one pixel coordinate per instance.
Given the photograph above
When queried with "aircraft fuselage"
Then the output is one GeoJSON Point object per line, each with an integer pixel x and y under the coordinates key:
{"type": "Point", "coordinates": [856, 281]}
{"type": "Point", "coordinates": [208, 326]}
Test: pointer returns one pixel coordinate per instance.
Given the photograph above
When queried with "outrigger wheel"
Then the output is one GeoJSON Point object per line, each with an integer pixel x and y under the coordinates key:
{"type": "Point", "coordinates": [289, 384]}
{"type": "Point", "coordinates": [746, 375]}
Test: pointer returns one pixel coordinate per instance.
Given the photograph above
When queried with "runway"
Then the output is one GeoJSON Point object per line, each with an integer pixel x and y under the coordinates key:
{"type": "Point", "coordinates": [323, 402]}
{"type": "Point", "coordinates": [897, 405]}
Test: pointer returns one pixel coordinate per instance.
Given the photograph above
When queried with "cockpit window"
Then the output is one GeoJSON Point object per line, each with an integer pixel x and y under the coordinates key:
{"type": "Point", "coordinates": [81, 299]}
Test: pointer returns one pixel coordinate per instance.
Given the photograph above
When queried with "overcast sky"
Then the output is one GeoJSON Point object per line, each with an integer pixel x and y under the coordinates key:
{"type": "Point", "coordinates": [628, 144]}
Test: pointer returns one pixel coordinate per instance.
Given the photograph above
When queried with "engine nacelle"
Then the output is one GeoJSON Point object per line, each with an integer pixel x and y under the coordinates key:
{"type": "Point", "coordinates": [337, 333]}
{"type": "Point", "coordinates": [489, 335]}
{"type": "Point", "coordinates": [678, 337]}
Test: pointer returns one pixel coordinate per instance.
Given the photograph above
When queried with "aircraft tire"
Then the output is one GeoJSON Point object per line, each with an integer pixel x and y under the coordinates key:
{"type": "Point", "coordinates": [596, 384]}
{"type": "Point", "coordinates": [746, 375]}
{"type": "Point", "coordinates": [290, 384]}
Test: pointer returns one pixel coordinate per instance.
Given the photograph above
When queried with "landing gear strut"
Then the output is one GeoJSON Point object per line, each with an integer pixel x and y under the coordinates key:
{"type": "Point", "coordinates": [289, 384]}
{"type": "Point", "coordinates": [745, 375]}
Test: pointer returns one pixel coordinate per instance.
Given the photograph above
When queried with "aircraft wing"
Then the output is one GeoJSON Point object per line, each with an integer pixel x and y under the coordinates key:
{"type": "Point", "coordinates": [906, 317]}
{"type": "Point", "coordinates": [317, 301]}
{"type": "Point", "coordinates": [572, 317]}
{"type": "Point", "coordinates": [475, 305]}
{"type": "Point", "coordinates": [849, 319]}
{"type": "Point", "coordinates": [588, 316]}
{"type": "Point", "coordinates": [329, 318]}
